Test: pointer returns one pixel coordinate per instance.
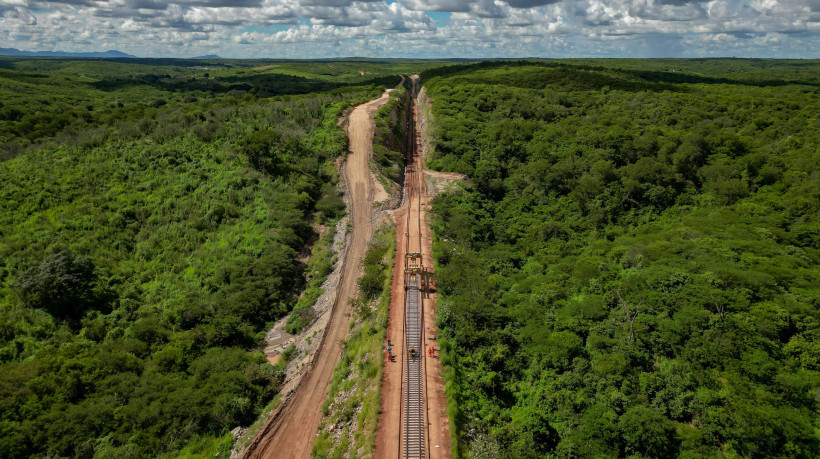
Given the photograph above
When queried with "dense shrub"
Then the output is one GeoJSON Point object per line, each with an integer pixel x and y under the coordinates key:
{"type": "Point", "coordinates": [145, 250]}
{"type": "Point", "coordinates": [635, 258]}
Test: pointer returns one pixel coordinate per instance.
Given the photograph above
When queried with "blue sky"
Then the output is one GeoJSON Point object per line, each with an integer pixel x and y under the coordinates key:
{"type": "Point", "coordinates": [417, 28]}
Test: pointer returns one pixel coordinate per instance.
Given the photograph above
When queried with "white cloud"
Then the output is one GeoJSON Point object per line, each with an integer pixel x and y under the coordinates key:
{"type": "Point", "coordinates": [476, 28]}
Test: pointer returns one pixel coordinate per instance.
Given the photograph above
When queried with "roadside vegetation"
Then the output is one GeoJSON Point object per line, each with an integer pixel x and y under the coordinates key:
{"type": "Point", "coordinates": [351, 410]}
{"type": "Point", "coordinates": [319, 265]}
{"type": "Point", "coordinates": [390, 135]}
{"type": "Point", "coordinates": [632, 270]}
{"type": "Point", "coordinates": [149, 230]}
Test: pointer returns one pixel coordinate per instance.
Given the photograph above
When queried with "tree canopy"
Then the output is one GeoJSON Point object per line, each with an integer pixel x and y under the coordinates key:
{"type": "Point", "coordinates": [146, 247]}
{"type": "Point", "coordinates": [632, 268]}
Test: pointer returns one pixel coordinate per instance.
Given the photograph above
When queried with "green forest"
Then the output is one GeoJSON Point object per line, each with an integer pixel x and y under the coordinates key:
{"type": "Point", "coordinates": [151, 214]}
{"type": "Point", "coordinates": [631, 269]}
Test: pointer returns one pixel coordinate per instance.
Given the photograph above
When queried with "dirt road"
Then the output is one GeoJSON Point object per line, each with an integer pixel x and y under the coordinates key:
{"type": "Point", "coordinates": [291, 430]}
{"type": "Point", "coordinates": [412, 235]}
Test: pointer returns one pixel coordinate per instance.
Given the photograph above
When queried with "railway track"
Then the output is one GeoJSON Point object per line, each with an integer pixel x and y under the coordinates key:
{"type": "Point", "coordinates": [413, 407]}
{"type": "Point", "coordinates": [413, 432]}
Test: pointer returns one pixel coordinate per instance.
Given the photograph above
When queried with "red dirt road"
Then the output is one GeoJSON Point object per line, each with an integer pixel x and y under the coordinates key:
{"type": "Point", "coordinates": [412, 235]}
{"type": "Point", "coordinates": [291, 430]}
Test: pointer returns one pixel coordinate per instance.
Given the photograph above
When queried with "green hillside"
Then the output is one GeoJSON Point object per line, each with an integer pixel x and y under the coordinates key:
{"type": "Point", "coordinates": [149, 230]}
{"type": "Point", "coordinates": [633, 268]}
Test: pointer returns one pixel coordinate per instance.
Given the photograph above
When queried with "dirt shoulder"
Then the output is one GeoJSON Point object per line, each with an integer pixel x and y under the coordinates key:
{"type": "Point", "coordinates": [388, 430]}
{"type": "Point", "coordinates": [412, 235]}
{"type": "Point", "coordinates": [292, 428]}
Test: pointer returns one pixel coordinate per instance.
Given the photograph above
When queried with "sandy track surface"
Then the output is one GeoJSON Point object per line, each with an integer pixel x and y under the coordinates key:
{"type": "Point", "coordinates": [291, 430]}
{"type": "Point", "coordinates": [412, 235]}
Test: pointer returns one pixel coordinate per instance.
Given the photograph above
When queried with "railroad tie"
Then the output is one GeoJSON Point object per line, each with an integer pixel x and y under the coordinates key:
{"type": "Point", "coordinates": [413, 396]}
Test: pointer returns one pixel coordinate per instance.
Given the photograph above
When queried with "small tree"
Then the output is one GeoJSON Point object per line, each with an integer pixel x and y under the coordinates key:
{"type": "Point", "coordinates": [631, 313]}
{"type": "Point", "coordinates": [647, 432]}
{"type": "Point", "coordinates": [261, 149]}
{"type": "Point", "coordinates": [63, 284]}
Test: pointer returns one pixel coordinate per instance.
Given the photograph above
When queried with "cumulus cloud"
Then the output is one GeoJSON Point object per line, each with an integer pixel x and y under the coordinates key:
{"type": "Point", "coordinates": [18, 15]}
{"type": "Point", "coordinates": [530, 3]}
{"type": "Point", "coordinates": [462, 6]}
{"type": "Point", "coordinates": [335, 3]}
{"type": "Point", "coordinates": [475, 28]}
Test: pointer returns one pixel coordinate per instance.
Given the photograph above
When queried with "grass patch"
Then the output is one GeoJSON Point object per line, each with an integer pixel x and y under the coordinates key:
{"type": "Point", "coordinates": [351, 410]}
{"type": "Point", "coordinates": [254, 428]}
{"type": "Point", "coordinates": [205, 446]}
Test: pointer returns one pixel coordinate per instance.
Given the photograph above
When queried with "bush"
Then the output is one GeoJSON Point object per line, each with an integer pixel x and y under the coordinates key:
{"type": "Point", "coordinates": [63, 284]}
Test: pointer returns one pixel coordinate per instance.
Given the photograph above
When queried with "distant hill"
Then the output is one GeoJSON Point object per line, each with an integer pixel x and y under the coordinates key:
{"type": "Point", "coordinates": [207, 56]}
{"type": "Point", "coordinates": [111, 53]}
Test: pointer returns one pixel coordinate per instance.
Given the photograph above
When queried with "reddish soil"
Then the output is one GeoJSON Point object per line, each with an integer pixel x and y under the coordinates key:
{"type": "Point", "coordinates": [387, 433]}
{"type": "Point", "coordinates": [412, 235]}
{"type": "Point", "coordinates": [292, 428]}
